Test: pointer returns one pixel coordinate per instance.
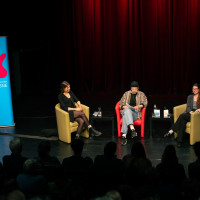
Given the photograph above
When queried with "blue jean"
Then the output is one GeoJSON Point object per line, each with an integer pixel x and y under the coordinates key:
{"type": "Point", "coordinates": [128, 117]}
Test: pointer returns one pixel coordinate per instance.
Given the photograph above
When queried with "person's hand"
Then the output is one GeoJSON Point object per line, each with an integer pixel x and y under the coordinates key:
{"type": "Point", "coordinates": [124, 107]}
{"type": "Point", "coordinates": [198, 110]}
{"type": "Point", "coordinates": [78, 109]}
{"type": "Point", "coordinates": [191, 112]}
{"type": "Point", "coordinates": [136, 107]}
{"type": "Point", "coordinates": [81, 108]}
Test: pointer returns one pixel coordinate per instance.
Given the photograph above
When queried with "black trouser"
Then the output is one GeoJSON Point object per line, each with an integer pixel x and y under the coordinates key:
{"type": "Point", "coordinates": [180, 125]}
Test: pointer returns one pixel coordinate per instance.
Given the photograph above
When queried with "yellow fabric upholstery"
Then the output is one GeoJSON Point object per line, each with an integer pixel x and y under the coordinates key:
{"type": "Point", "coordinates": [192, 127]}
{"type": "Point", "coordinates": [65, 127]}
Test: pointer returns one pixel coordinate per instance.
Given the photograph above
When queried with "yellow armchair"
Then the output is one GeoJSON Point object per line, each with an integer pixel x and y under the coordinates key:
{"type": "Point", "coordinates": [192, 127]}
{"type": "Point", "coordinates": [65, 127]}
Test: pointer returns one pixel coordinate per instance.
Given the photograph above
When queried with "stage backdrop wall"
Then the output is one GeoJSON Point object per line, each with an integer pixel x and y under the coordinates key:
{"type": "Point", "coordinates": [6, 110]}
{"type": "Point", "coordinates": [105, 44]}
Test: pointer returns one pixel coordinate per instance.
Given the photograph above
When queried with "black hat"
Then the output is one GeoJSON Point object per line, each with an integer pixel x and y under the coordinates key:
{"type": "Point", "coordinates": [134, 84]}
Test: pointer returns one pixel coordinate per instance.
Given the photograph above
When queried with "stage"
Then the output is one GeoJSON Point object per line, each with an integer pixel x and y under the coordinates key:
{"type": "Point", "coordinates": [35, 121]}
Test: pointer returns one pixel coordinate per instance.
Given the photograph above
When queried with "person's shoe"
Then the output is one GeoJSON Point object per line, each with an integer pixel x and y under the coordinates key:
{"type": "Point", "coordinates": [123, 140]}
{"type": "Point", "coordinates": [168, 134]}
{"type": "Point", "coordinates": [77, 136]}
{"type": "Point", "coordinates": [179, 144]}
{"type": "Point", "coordinates": [94, 132]}
{"type": "Point", "coordinates": [133, 133]}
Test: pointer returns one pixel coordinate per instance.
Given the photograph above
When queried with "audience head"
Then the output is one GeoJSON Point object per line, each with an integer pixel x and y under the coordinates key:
{"type": "Point", "coordinates": [29, 166]}
{"type": "Point", "coordinates": [102, 198]}
{"type": "Point", "coordinates": [137, 150]}
{"type": "Point", "coordinates": [169, 155]}
{"type": "Point", "coordinates": [191, 189]}
{"type": "Point", "coordinates": [197, 149]}
{"type": "Point", "coordinates": [110, 149]}
{"type": "Point", "coordinates": [114, 195]}
{"type": "Point", "coordinates": [77, 146]}
{"type": "Point", "coordinates": [16, 195]}
{"type": "Point", "coordinates": [40, 197]}
{"type": "Point", "coordinates": [44, 148]}
{"type": "Point", "coordinates": [15, 146]}
{"type": "Point", "coordinates": [126, 192]}
{"type": "Point", "coordinates": [75, 191]}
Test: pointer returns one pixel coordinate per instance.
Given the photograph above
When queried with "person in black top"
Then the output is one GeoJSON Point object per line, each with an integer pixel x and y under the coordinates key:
{"type": "Point", "coordinates": [13, 163]}
{"type": "Point", "coordinates": [76, 166]}
{"type": "Point", "coordinates": [194, 167]}
{"type": "Point", "coordinates": [108, 168]}
{"type": "Point", "coordinates": [67, 100]}
{"type": "Point", "coordinates": [47, 165]}
{"type": "Point", "coordinates": [30, 182]}
{"type": "Point", "coordinates": [171, 172]}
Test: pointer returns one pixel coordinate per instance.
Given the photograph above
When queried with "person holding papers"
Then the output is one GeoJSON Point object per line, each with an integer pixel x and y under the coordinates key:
{"type": "Point", "coordinates": [131, 105]}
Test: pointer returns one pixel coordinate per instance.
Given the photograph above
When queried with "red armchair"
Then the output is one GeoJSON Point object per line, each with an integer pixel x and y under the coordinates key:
{"type": "Point", "coordinates": [140, 122]}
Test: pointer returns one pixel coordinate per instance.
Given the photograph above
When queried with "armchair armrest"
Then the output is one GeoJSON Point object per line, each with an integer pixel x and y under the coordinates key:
{"type": "Point", "coordinates": [195, 128]}
{"type": "Point", "coordinates": [195, 121]}
{"type": "Point", "coordinates": [178, 110]}
{"type": "Point", "coordinates": [118, 115]}
{"type": "Point", "coordinates": [86, 110]}
{"type": "Point", "coordinates": [117, 110]}
{"type": "Point", "coordinates": [61, 113]}
{"type": "Point", "coordinates": [63, 124]}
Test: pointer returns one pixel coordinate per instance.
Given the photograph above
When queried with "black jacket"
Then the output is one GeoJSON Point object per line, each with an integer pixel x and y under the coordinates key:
{"type": "Point", "coordinates": [189, 103]}
{"type": "Point", "coordinates": [66, 103]}
{"type": "Point", "coordinates": [13, 164]}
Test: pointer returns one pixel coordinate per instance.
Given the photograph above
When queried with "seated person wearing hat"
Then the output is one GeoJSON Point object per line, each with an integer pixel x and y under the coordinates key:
{"type": "Point", "coordinates": [131, 105]}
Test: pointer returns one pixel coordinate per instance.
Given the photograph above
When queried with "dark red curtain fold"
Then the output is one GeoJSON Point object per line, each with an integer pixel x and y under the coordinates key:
{"type": "Point", "coordinates": [106, 44]}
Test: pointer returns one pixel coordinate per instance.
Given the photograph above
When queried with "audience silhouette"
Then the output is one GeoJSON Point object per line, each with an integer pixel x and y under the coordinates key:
{"type": "Point", "coordinates": [108, 177]}
{"type": "Point", "coordinates": [76, 167]}
{"type": "Point", "coordinates": [16, 195]}
{"type": "Point", "coordinates": [13, 163]}
{"type": "Point", "coordinates": [108, 167]}
{"type": "Point", "coordinates": [29, 181]}
{"type": "Point", "coordinates": [137, 151]}
{"type": "Point", "coordinates": [171, 173]}
{"type": "Point", "coordinates": [47, 165]}
{"type": "Point", "coordinates": [194, 168]}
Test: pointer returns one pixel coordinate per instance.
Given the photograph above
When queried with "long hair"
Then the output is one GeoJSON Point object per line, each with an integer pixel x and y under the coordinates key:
{"type": "Point", "coordinates": [137, 150]}
{"type": "Point", "coordinates": [44, 148]}
{"type": "Point", "coordinates": [110, 149]}
{"type": "Point", "coordinates": [63, 85]}
{"type": "Point", "coordinates": [169, 155]}
{"type": "Point", "coordinates": [198, 99]}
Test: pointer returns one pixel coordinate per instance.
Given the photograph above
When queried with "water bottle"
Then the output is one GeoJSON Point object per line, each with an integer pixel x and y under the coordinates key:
{"type": "Point", "coordinates": [99, 112]}
{"type": "Point", "coordinates": [165, 113]}
{"type": "Point", "coordinates": [156, 111]}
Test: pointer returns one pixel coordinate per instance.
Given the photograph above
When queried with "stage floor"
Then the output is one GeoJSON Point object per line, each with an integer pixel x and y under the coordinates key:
{"type": "Point", "coordinates": [154, 147]}
{"type": "Point", "coordinates": [34, 116]}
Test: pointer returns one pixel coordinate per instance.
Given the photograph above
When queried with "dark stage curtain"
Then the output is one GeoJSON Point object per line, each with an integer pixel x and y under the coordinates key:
{"type": "Point", "coordinates": [106, 44]}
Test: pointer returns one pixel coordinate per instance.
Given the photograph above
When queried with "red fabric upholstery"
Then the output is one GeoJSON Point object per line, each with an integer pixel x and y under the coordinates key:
{"type": "Point", "coordinates": [140, 122]}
